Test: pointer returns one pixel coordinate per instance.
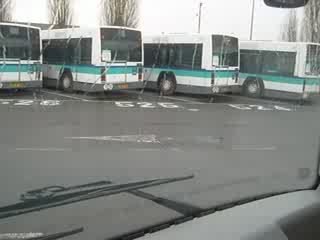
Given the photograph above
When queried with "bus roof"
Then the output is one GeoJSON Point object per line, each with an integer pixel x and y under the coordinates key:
{"type": "Point", "coordinates": [18, 25]}
{"type": "Point", "coordinates": [180, 37]}
{"type": "Point", "coordinates": [273, 45]}
{"type": "Point", "coordinates": [77, 32]}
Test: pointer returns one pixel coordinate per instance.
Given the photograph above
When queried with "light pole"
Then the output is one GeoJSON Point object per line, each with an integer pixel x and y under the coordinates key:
{"type": "Point", "coordinates": [252, 19]}
{"type": "Point", "coordinates": [199, 21]}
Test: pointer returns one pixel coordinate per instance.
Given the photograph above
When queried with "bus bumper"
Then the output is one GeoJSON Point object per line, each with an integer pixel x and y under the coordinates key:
{"type": "Point", "coordinates": [20, 84]}
{"type": "Point", "coordinates": [107, 87]}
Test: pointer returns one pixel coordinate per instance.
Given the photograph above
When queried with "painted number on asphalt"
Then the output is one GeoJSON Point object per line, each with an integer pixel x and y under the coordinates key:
{"type": "Point", "coordinates": [30, 102]}
{"type": "Point", "coordinates": [147, 105]}
{"type": "Point", "coordinates": [249, 107]}
{"type": "Point", "coordinates": [23, 103]}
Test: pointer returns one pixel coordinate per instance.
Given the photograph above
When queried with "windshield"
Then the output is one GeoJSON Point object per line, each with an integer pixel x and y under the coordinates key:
{"type": "Point", "coordinates": [124, 45]}
{"type": "Point", "coordinates": [121, 118]}
{"type": "Point", "coordinates": [313, 60]}
{"type": "Point", "coordinates": [225, 51]}
{"type": "Point", "coordinates": [19, 43]}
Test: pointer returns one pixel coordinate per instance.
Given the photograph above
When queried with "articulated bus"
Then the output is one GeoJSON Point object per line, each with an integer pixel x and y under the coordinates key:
{"type": "Point", "coordinates": [280, 69]}
{"type": "Point", "coordinates": [20, 56]}
{"type": "Point", "coordinates": [191, 63]}
{"type": "Point", "coordinates": [98, 59]}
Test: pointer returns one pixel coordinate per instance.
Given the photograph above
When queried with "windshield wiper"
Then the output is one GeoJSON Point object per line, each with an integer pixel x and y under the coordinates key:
{"type": "Point", "coordinates": [39, 199]}
{"type": "Point", "coordinates": [180, 207]}
{"type": "Point", "coordinates": [58, 235]}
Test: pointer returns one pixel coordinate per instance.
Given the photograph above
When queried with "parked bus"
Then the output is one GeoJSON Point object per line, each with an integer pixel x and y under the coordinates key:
{"type": "Point", "coordinates": [20, 56]}
{"type": "Point", "coordinates": [93, 59]}
{"type": "Point", "coordinates": [280, 69]}
{"type": "Point", "coordinates": [192, 63]}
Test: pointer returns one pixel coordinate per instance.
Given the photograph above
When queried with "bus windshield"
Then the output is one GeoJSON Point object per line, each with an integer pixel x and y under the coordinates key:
{"type": "Point", "coordinates": [19, 43]}
{"type": "Point", "coordinates": [124, 45]}
{"type": "Point", "coordinates": [225, 51]}
{"type": "Point", "coordinates": [313, 60]}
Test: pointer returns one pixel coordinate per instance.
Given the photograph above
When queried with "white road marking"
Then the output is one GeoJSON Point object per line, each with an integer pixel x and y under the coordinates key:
{"type": "Point", "coordinates": [45, 149]}
{"type": "Point", "coordinates": [144, 150]}
{"type": "Point", "coordinates": [182, 100]}
{"type": "Point", "coordinates": [250, 107]}
{"type": "Point", "coordinates": [21, 235]}
{"type": "Point", "coordinates": [168, 105]}
{"type": "Point", "coordinates": [253, 148]}
{"type": "Point", "coordinates": [193, 110]}
{"type": "Point", "coordinates": [124, 138]}
{"type": "Point", "coordinates": [64, 95]}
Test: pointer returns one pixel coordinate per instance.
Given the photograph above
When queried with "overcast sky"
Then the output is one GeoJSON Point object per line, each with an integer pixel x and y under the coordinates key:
{"type": "Point", "coordinates": [156, 16]}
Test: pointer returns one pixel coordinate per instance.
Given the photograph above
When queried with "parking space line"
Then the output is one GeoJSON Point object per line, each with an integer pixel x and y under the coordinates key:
{"type": "Point", "coordinates": [64, 95]}
{"type": "Point", "coordinates": [45, 149]}
{"type": "Point", "coordinates": [182, 100]}
{"type": "Point", "coordinates": [253, 148]}
{"type": "Point", "coordinates": [256, 100]}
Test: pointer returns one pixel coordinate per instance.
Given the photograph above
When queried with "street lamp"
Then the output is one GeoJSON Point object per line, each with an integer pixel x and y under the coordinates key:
{"type": "Point", "coordinates": [252, 19]}
{"type": "Point", "coordinates": [199, 21]}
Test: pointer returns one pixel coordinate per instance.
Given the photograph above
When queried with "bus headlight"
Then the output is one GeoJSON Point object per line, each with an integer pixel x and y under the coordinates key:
{"type": "Point", "coordinates": [1, 85]}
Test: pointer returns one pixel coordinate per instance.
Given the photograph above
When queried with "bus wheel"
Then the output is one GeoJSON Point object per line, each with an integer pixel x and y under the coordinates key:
{"type": "Point", "coordinates": [167, 86]}
{"type": "Point", "coordinates": [253, 88]}
{"type": "Point", "coordinates": [66, 82]}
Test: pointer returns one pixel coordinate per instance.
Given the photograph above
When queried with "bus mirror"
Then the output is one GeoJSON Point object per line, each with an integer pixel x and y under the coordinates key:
{"type": "Point", "coordinates": [286, 3]}
{"type": "Point", "coordinates": [106, 56]}
{"type": "Point", "coordinates": [215, 60]}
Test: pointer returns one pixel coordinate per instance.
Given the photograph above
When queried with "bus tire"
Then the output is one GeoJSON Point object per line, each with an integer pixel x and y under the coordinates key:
{"type": "Point", "coordinates": [167, 84]}
{"type": "Point", "coordinates": [66, 82]}
{"type": "Point", "coordinates": [253, 88]}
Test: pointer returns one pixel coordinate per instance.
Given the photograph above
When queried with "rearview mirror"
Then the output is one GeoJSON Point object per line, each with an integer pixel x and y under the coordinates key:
{"type": "Point", "coordinates": [286, 3]}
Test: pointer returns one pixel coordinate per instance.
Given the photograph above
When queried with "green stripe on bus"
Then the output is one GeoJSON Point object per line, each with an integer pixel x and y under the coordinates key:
{"type": "Point", "coordinates": [97, 70]}
{"type": "Point", "coordinates": [196, 73]}
{"type": "Point", "coordinates": [283, 79]}
{"type": "Point", "coordinates": [12, 68]}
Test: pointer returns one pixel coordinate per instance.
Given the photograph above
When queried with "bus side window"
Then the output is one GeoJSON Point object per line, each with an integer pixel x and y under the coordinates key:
{"type": "Point", "coordinates": [189, 56]}
{"type": "Point", "coordinates": [282, 63]}
{"type": "Point", "coordinates": [86, 51]}
{"type": "Point", "coordinates": [172, 56]}
{"type": "Point", "coordinates": [150, 55]}
{"type": "Point", "coordinates": [163, 57]}
{"type": "Point", "coordinates": [250, 61]}
{"type": "Point", "coordinates": [72, 52]}
{"type": "Point", "coordinates": [55, 52]}
{"type": "Point", "coordinates": [270, 63]}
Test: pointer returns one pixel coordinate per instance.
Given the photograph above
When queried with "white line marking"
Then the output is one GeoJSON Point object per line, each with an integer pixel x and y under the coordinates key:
{"type": "Point", "coordinates": [45, 149]}
{"type": "Point", "coordinates": [182, 100]}
{"type": "Point", "coordinates": [144, 150]}
{"type": "Point", "coordinates": [178, 150]}
{"type": "Point", "coordinates": [193, 110]}
{"type": "Point", "coordinates": [253, 148]}
{"type": "Point", "coordinates": [64, 95]}
{"type": "Point", "coordinates": [125, 138]}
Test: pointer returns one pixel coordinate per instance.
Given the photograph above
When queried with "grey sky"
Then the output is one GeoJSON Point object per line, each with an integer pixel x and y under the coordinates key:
{"type": "Point", "coordinates": [223, 16]}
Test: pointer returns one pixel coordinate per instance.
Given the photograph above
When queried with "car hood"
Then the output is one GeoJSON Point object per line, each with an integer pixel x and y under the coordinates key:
{"type": "Point", "coordinates": [101, 218]}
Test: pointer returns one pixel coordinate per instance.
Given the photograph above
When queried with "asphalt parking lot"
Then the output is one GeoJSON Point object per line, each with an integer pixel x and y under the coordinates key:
{"type": "Point", "coordinates": [54, 138]}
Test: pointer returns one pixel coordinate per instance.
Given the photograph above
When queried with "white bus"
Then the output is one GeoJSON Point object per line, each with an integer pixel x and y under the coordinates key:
{"type": "Point", "coordinates": [279, 69]}
{"type": "Point", "coordinates": [93, 59]}
{"type": "Point", "coordinates": [20, 56]}
{"type": "Point", "coordinates": [191, 63]}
